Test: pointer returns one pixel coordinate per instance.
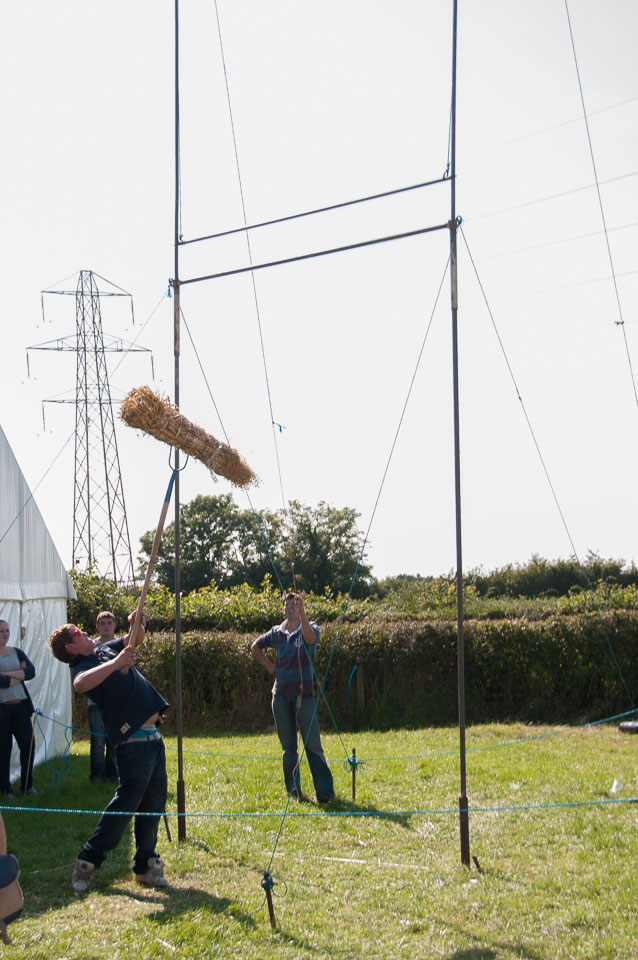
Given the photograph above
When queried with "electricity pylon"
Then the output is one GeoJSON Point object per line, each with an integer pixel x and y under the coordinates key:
{"type": "Point", "coordinates": [101, 538]}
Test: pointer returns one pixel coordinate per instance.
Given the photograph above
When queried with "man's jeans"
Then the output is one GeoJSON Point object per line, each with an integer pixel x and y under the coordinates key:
{"type": "Point", "coordinates": [284, 710]}
{"type": "Point", "coordinates": [103, 766]}
{"type": "Point", "coordinates": [142, 787]}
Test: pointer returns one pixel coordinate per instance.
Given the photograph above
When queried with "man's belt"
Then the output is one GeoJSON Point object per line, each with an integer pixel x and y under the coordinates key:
{"type": "Point", "coordinates": [144, 733]}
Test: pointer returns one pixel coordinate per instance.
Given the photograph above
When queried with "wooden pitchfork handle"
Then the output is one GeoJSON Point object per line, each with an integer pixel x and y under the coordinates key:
{"type": "Point", "coordinates": [149, 572]}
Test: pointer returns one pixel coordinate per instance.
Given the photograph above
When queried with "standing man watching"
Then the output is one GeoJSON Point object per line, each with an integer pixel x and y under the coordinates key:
{"type": "Point", "coordinates": [131, 707]}
{"type": "Point", "coordinates": [102, 756]}
{"type": "Point", "coordinates": [293, 704]}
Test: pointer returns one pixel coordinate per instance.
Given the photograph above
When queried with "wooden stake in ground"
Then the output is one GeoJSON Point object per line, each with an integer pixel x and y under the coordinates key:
{"type": "Point", "coordinates": [143, 409]}
{"type": "Point", "coordinates": [266, 885]}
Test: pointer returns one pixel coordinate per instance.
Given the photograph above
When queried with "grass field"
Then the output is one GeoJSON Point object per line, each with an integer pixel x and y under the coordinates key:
{"type": "Point", "coordinates": [556, 877]}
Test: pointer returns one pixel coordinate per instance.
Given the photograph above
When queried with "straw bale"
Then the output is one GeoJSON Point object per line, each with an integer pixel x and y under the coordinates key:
{"type": "Point", "coordinates": [143, 409]}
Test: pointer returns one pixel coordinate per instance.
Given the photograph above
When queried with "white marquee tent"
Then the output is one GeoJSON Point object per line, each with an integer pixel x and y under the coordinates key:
{"type": "Point", "coordinates": [34, 589]}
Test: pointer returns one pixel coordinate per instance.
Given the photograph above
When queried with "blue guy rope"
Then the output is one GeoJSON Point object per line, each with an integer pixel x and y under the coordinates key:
{"type": "Point", "coordinates": [350, 680]}
{"type": "Point", "coordinates": [367, 814]}
{"type": "Point", "coordinates": [412, 756]}
{"type": "Point", "coordinates": [56, 775]}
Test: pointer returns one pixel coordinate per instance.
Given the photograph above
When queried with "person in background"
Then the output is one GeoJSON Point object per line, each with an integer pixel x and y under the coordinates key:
{"type": "Point", "coordinates": [293, 704]}
{"type": "Point", "coordinates": [102, 755]}
{"type": "Point", "coordinates": [131, 708]}
{"type": "Point", "coordinates": [16, 709]}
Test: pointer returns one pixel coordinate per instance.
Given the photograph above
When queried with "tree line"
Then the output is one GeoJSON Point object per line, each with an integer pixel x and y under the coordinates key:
{"type": "Point", "coordinates": [538, 577]}
{"type": "Point", "coordinates": [222, 543]}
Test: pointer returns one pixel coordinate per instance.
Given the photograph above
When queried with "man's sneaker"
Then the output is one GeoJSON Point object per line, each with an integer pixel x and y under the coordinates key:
{"type": "Point", "coordinates": [82, 876]}
{"type": "Point", "coordinates": [154, 876]}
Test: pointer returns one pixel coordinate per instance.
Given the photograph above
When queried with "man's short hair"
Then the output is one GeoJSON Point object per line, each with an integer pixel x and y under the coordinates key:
{"type": "Point", "coordinates": [103, 614]}
{"type": "Point", "coordinates": [58, 640]}
{"type": "Point", "coordinates": [289, 596]}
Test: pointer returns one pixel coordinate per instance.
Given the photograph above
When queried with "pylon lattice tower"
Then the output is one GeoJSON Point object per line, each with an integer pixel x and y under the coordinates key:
{"type": "Point", "coordinates": [100, 525]}
{"type": "Point", "coordinates": [101, 538]}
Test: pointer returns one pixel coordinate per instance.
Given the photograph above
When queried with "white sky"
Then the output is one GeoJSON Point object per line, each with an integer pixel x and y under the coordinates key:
{"type": "Point", "coordinates": [331, 102]}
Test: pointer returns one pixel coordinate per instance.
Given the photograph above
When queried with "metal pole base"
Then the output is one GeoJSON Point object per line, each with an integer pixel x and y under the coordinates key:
{"type": "Point", "coordinates": [181, 808]}
{"type": "Point", "coordinates": [464, 827]}
{"type": "Point", "coordinates": [271, 910]}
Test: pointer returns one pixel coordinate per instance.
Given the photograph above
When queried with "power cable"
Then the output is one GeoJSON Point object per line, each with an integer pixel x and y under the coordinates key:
{"type": "Point", "coordinates": [253, 280]}
{"type": "Point", "coordinates": [363, 546]}
{"type": "Point", "coordinates": [620, 322]}
{"type": "Point", "coordinates": [223, 428]}
{"type": "Point", "coordinates": [551, 196]}
{"type": "Point", "coordinates": [553, 243]}
{"type": "Point", "coordinates": [544, 130]}
{"type": "Point", "coordinates": [540, 455]}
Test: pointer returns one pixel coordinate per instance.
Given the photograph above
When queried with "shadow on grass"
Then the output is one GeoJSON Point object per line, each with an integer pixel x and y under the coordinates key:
{"type": "Point", "coordinates": [169, 903]}
{"type": "Point", "coordinates": [172, 902]}
{"type": "Point", "coordinates": [494, 951]}
{"type": "Point", "coordinates": [487, 953]}
{"type": "Point", "coordinates": [474, 953]}
{"type": "Point", "coordinates": [309, 948]}
{"type": "Point", "coordinates": [339, 805]}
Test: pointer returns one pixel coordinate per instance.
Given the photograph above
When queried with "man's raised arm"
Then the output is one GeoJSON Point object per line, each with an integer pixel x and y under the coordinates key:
{"type": "Point", "coordinates": [89, 679]}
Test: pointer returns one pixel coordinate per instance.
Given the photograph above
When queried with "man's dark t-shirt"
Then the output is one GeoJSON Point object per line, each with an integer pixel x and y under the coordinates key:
{"type": "Point", "coordinates": [125, 701]}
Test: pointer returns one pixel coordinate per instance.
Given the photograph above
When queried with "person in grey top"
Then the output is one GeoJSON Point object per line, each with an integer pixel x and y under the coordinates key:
{"type": "Point", "coordinates": [16, 709]}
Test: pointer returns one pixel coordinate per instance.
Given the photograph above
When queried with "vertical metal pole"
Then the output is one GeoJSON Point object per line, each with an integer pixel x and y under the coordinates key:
{"type": "Point", "coordinates": [463, 808]}
{"type": "Point", "coordinates": [181, 794]}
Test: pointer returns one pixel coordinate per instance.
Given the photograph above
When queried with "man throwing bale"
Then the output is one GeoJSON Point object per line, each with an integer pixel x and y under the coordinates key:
{"type": "Point", "coordinates": [293, 702]}
{"type": "Point", "coordinates": [131, 708]}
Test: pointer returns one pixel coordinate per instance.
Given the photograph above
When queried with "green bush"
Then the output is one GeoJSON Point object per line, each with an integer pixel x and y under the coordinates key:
{"type": "Point", "coordinates": [405, 673]}
{"type": "Point", "coordinates": [245, 608]}
{"type": "Point", "coordinates": [394, 663]}
{"type": "Point", "coordinates": [210, 608]}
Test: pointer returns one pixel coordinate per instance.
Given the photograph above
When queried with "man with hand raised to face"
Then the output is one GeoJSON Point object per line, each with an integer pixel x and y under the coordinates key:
{"type": "Point", "coordinates": [102, 754]}
{"type": "Point", "coordinates": [293, 703]}
{"type": "Point", "coordinates": [131, 708]}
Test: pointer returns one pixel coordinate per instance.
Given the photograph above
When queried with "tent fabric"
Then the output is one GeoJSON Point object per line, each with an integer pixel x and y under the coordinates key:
{"type": "Point", "coordinates": [34, 589]}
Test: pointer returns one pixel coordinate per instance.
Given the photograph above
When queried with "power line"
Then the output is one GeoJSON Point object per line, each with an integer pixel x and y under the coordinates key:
{"type": "Point", "coordinates": [551, 196]}
{"type": "Point", "coordinates": [620, 322]}
{"type": "Point", "coordinates": [544, 130]}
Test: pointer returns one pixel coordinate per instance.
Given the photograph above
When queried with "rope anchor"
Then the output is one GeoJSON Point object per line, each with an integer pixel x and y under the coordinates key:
{"type": "Point", "coordinates": [352, 764]}
{"type": "Point", "coordinates": [266, 885]}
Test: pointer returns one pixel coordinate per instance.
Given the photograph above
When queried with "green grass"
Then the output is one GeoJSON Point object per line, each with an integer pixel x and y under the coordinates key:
{"type": "Point", "coordinates": [554, 882]}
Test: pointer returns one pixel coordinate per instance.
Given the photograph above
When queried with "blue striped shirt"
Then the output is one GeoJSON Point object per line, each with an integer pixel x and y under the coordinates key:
{"type": "Point", "coordinates": [294, 660]}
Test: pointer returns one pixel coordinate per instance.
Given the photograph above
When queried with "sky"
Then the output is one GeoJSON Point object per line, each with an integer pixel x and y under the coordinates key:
{"type": "Point", "coordinates": [312, 105]}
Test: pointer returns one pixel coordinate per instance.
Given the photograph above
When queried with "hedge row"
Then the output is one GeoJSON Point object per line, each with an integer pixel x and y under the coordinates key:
{"type": "Point", "coordinates": [385, 675]}
{"type": "Point", "coordinates": [243, 608]}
